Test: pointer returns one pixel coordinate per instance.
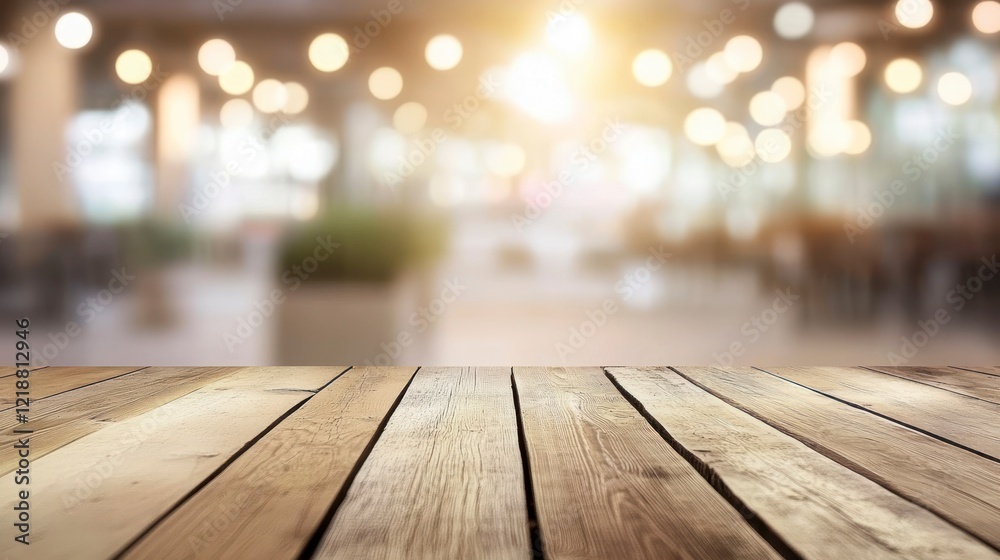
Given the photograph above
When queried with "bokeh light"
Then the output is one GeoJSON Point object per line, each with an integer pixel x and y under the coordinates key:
{"type": "Point", "coordinates": [329, 52]}
{"type": "Point", "coordinates": [304, 153]}
{"type": "Point", "coordinates": [955, 88]}
{"type": "Point", "coordinates": [385, 83]}
{"type": "Point", "coordinates": [570, 33]}
{"type": "Point", "coordinates": [768, 108]}
{"type": "Point", "coordinates": [743, 53]}
{"type": "Point", "coordinates": [701, 84]}
{"type": "Point", "coordinates": [848, 59]}
{"type": "Point", "coordinates": [133, 66]}
{"type": "Point", "coordinates": [74, 30]}
{"type": "Point", "coordinates": [736, 148]}
{"type": "Point", "coordinates": [297, 98]}
{"type": "Point", "coordinates": [986, 17]}
{"type": "Point", "coordinates": [238, 79]}
{"type": "Point", "coordinates": [410, 118]}
{"type": "Point", "coordinates": [914, 13]}
{"type": "Point", "coordinates": [443, 52]}
{"type": "Point", "coordinates": [4, 59]}
{"type": "Point", "coordinates": [216, 56]}
{"type": "Point", "coordinates": [538, 85]}
{"type": "Point", "coordinates": [791, 90]}
{"type": "Point", "coordinates": [505, 160]}
{"type": "Point", "coordinates": [829, 138]}
{"type": "Point", "coordinates": [860, 138]}
{"type": "Point", "coordinates": [794, 20]}
{"type": "Point", "coordinates": [773, 145]}
{"type": "Point", "coordinates": [236, 114]}
{"type": "Point", "coordinates": [903, 75]}
{"type": "Point", "coordinates": [269, 96]}
{"type": "Point", "coordinates": [705, 126]}
{"type": "Point", "coordinates": [719, 69]}
{"type": "Point", "coordinates": [652, 68]}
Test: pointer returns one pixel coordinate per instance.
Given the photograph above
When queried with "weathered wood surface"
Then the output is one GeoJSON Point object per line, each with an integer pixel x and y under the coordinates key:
{"type": "Point", "coordinates": [51, 381]}
{"type": "Point", "coordinates": [372, 462]}
{"type": "Point", "coordinates": [959, 486]}
{"type": "Point", "coordinates": [445, 478]}
{"type": "Point", "coordinates": [270, 501]}
{"type": "Point", "coordinates": [990, 370]}
{"type": "Point", "coordinates": [66, 417]}
{"type": "Point", "coordinates": [969, 383]}
{"type": "Point", "coordinates": [960, 419]}
{"type": "Point", "coordinates": [606, 485]}
{"type": "Point", "coordinates": [102, 491]}
{"type": "Point", "coordinates": [793, 489]}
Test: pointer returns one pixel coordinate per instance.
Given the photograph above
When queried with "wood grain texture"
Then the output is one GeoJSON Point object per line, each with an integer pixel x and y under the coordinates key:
{"type": "Point", "coordinates": [966, 421]}
{"type": "Point", "coordinates": [271, 500]}
{"type": "Point", "coordinates": [964, 382]}
{"type": "Point", "coordinates": [102, 491]}
{"type": "Point", "coordinates": [793, 489]}
{"type": "Point", "coordinates": [54, 380]}
{"type": "Point", "coordinates": [66, 417]}
{"type": "Point", "coordinates": [989, 370]}
{"type": "Point", "coordinates": [606, 485]}
{"type": "Point", "coordinates": [444, 480]}
{"type": "Point", "coordinates": [962, 487]}
{"type": "Point", "coordinates": [9, 371]}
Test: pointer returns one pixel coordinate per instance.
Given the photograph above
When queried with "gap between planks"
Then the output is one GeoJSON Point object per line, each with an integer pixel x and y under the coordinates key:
{"type": "Point", "coordinates": [275, 495]}
{"type": "Point", "coordinates": [444, 479]}
{"type": "Point", "coordinates": [49, 382]}
{"type": "Point", "coordinates": [910, 463]}
{"type": "Point", "coordinates": [791, 488]}
{"type": "Point", "coordinates": [960, 420]}
{"type": "Point", "coordinates": [137, 478]}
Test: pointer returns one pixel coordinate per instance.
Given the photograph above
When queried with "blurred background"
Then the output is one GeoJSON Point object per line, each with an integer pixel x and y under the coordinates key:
{"type": "Point", "coordinates": [441, 182]}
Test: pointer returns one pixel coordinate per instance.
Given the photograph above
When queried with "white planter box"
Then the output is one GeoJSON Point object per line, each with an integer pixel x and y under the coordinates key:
{"type": "Point", "coordinates": [340, 323]}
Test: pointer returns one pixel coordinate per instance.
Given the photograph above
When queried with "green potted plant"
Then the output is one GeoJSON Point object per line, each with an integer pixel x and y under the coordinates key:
{"type": "Point", "coordinates": [348, 278]}
{"type": "Point", "coordinates": [150, 247]}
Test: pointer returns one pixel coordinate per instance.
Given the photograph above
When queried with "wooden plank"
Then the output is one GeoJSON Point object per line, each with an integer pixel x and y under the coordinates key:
{"type": "Point", "coordinates": [271, 500]}
{"type": "Point", "coordinates": [102, 491]}
{"type": "Point", "coordinates": [968, 383]}
{"type": "Point", "coordinates": [606, 485]}
{"type": "Point", "coordinates": [54, 380]}
{"type": "Point", "coordinates": [988, 370]}
{"type": "Point", "coordinates": [962, 487]}
{"type": "Point", "coordinates": [9, 371]}
{"type": "Point", "coordinates": [793, 489]}
{"type": "Point", "coordinates": [445, 479]}
{"type": "Point", "coordinates": [957, 418]}
{"type": "Point", "coordinates": [63, 418]}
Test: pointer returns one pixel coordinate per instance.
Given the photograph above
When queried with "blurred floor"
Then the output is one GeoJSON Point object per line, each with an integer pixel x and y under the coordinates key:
{"type": "Point", "coordinates": [522, 316]}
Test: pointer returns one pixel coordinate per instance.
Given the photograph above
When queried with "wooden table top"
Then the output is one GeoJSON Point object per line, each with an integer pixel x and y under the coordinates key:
{"type": "Point", "coordinates": [440, 463]}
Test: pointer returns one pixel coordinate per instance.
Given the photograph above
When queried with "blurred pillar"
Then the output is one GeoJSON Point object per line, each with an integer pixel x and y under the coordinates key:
{"type": "Point", "coordinates": [361, 121]}
{"type": "Point", "coordinates": [177, 117]}
{"type": "Point", "coordinates": [43, 101]}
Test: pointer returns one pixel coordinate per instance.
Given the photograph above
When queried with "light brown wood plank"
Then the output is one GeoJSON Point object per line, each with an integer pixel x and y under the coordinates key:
{"type": "Point", "coordinates": [820, 508]}
{"type": "Point", "coordinates": [989, 370]}
{"type": "Point", "coordinates": [966, 421]}
{"type": "Point", "coordinates": [964, 382]}
{"type": "Point", "coordinates": [54, 380]}
{"type": "Point", "coordinates": [102, 491]}
{"type": "Point", "coordinates": [9, 371]}
{"type": "Point", "coordinates": [606, 485]}
{"type": "Point", "coordinates": [962, 487]}
{"type": "Point", "coordinates": [63, 418]}
{"type": "Point", "coordinates": [271, 500]}
{"type": "Point", "coordinates": [445, 479]}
